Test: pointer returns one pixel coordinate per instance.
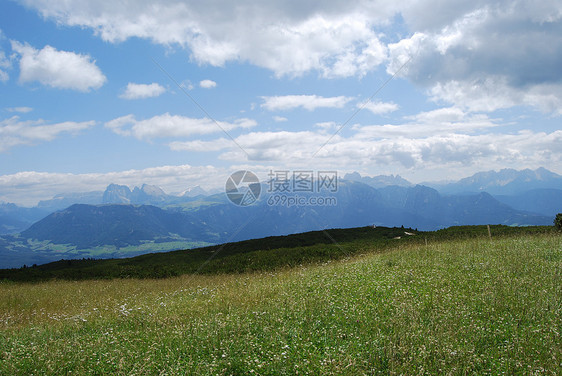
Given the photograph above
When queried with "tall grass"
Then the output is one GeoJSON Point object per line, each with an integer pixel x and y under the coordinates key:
{"type": "Point", "coordinates": [452, 307]}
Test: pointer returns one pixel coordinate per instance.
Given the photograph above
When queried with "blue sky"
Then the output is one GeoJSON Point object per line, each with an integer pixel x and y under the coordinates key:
{"type": "Point", "coordinates": [94, 92]}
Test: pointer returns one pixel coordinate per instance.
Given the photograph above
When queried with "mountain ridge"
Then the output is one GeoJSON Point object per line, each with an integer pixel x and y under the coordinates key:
{"type": "Point", "coordinates": [146, 216]}
{"type": "Point", "coordinates": [503, 182]}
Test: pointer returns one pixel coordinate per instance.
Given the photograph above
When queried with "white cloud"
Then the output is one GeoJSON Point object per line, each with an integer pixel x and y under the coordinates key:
{"type": "Point", "coordinates": [187, 85]}
{"type": "Point", "coordinates": [58, 69]}
{"type": "Point", "coordinates": [28, 187]}
{"type": "Point", "coordinates": [279, 119]}
{"type": "Point", "coordinates": [445, 139]}
{"type": "Point", "coordinates": [308, 102]}
{"type": "Point", "coordinates": [455, 46]}
{"type": "Point", "coordinates": [141, 91]}
{"type": "Point", "coordinates": [282, 146]}
{"type": "Point", "coordinates": [167, 125]}
{"type": "Point", "coordinates": [484, 56]}
{"type": "Point", "coordinates": [207, 84]}
{"type": "Point", "coordinates": [201, 146]}
{"type": "Point", "coordinates": [15, 132]}
{"type": "Point", "coordinates": [440, 116]}
{"type": "Point", "coordinates": [22, 110]}
{"type": "Point", "coordinates": [494, 92]}
{"type": "Point", "coordinates": [335, 38]}
{"type": "Point", "coordinates": [326, 125]}
{"type": "Point", "coordinates": [443, 121]}
{"type": "Point", "coordinates": [378, 108]}
{"type": "Point", "coordinates": [448, 140]}
{"type": "Point", "coordinates": [4, 65]}
{"type": "Point", "coordinates": [448, 151]}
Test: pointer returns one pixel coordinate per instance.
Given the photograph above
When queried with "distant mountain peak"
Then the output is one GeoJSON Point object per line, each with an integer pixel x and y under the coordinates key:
{"type": "Point", "coordinates": [117, 194]}
{"type": "Point", "coordinates": [152, 190]}
{"type": "Point", "coordinates": [194, 191]}
{"type": "Point", "coordinates": [354, 176]}
{"type": "Point", "coordinates": [379, 181]}
{"type": "Point", "coordinates": [146, 194]}
{"type": "Point", "coordinates": [504, 181]}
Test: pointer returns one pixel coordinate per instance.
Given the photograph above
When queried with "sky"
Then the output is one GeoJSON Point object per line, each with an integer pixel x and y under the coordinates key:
{"type": "Point", "coordinates": [183, 93]}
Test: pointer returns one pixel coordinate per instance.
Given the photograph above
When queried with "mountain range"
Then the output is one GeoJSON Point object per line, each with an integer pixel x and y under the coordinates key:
{"type": "Point", "coordinates": [503, 182]}
{"type": "Point", "coordinates": [122, 222]}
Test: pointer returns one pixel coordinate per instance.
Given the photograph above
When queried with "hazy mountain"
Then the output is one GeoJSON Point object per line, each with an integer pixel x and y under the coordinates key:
{"type": "Point", "coordinates": [379, 181]}
{"type": "Point", "coordinates": [358, 205]}
{"type": "Point", "coordinates": [86, 226]}
{"type": "Point", "coordinates": [148, 195]}
{"type": "Point", "coordinates": [145, 195]}
{"type": "Point", "coordinates": [117, 194]}
{"type": "Point", "coordinates": [543, 201]}
{"type": "Point", "coordinates": [64, 200]}
{"type": "Point", "coordinates": [503, 182]}
{"type": "Point", "coordinates": [194, 192]}
{"type": "Point", "coordinates": [14, 219]}
{"type": "Point", "coordinates": [214, 219]}
{"type": "Point", "coordinates": [444, 211]}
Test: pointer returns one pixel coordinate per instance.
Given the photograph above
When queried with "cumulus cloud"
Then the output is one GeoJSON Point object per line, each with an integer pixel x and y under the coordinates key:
{"type": "Point", "coordinates": [207, 84]}
{"type": "Point", "coordinates": [457, 48]}
{"type": "Point", "coordinates": [326, 125]}
{"type": "Point", "coordinates": [308, 102]}
{"type": "Point", "coordinates": [58, 69]}
{"type": "Point", "coordinates": [282, 146]}
{"type": "Point", "coordinates": [201, 146]}
{"type": "Point", "coordinates": [335, 38]}
{"type": "Point", "coordinates": [4, 65]}
{"type": "Point", "coordinates": [166, 125]}
{"type": "Point", "coordinates": [187, 85]}
{"type": "Point", "coordinates": [421, 151]}
{"type": "Point", "coordinates": [22, 110]}
{"type": "Point", "coordinates": [279, 119]}
{"type": "Point", "coordinates": [28, 187]}
{"type": "Point", "coordinates": [443, 121]}
{"type": "Point", "coordinates": [487, 56]}
{"type": "Point", "coordinates": [141, 91]}
{"type": "Point", "coordinates": [15, 132]}
{"type": "Point", "coordinates": [378, 108]}
{"type": "Point", "coordinates": [448, 151]}
{"type": "Point", "coordinates": [494, 92]}
{"type": "Point", "coordinates": [446, 139]}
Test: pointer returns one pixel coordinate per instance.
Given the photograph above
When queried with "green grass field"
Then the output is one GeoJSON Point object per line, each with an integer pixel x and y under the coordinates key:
{"type": "Point", "coordinates": [461, 307]}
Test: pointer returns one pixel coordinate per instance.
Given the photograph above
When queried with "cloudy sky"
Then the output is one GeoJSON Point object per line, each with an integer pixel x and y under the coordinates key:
{"type": "Point", "coordinates": [182, 93]}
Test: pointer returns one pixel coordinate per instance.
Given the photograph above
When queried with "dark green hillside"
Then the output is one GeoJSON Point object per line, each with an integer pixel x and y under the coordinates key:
{"type": "Point", "coordinates": [256, 255]}
{"type": "Point", "coordinates": [86, 226]}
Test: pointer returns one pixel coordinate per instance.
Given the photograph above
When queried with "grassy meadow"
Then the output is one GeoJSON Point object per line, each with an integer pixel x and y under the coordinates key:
{"type": "Point", "coordinates": [460, 307]}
